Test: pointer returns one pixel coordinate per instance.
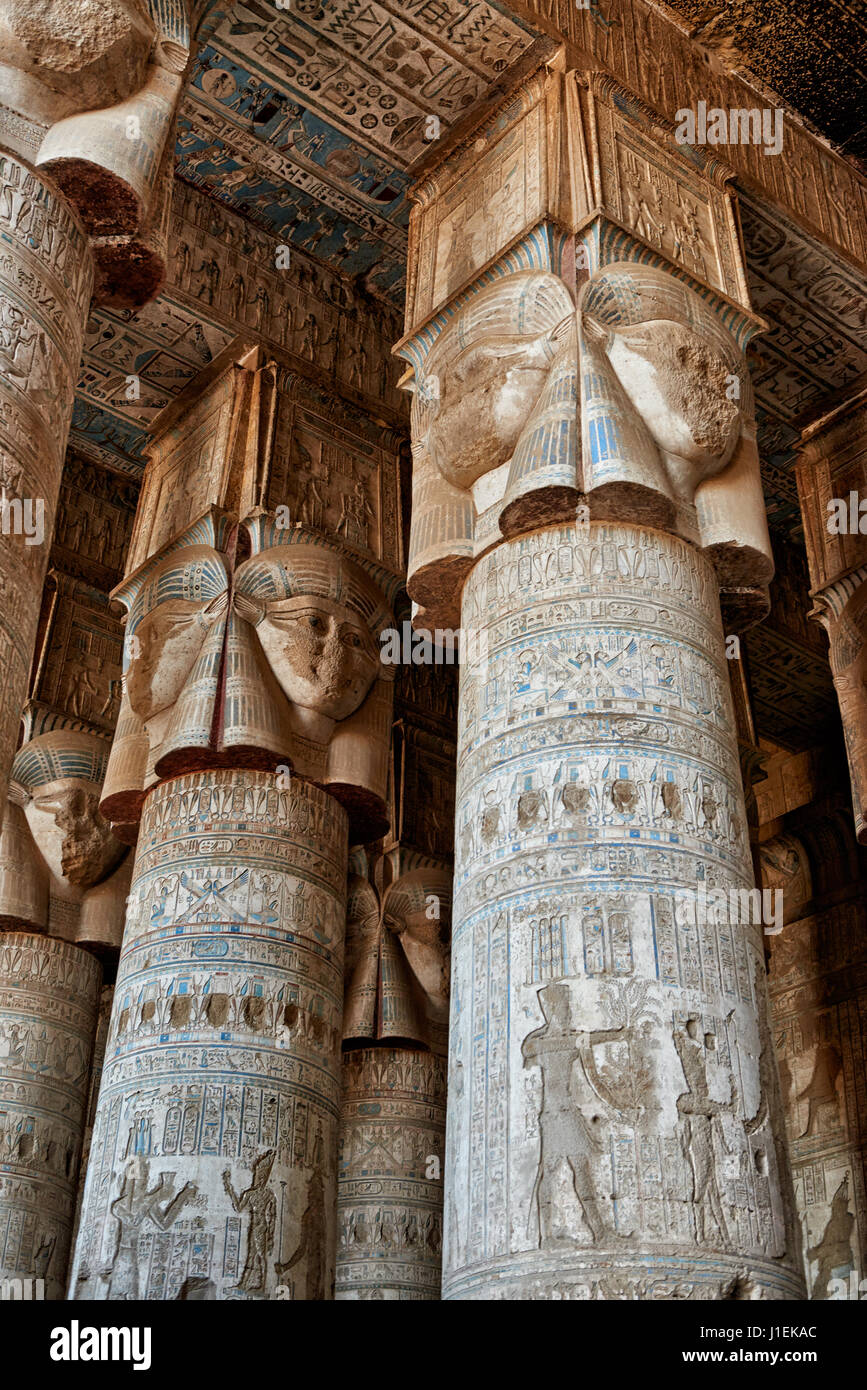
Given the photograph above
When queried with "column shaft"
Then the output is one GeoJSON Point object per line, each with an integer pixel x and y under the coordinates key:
{"type": "Point", "coordinates": [612, 1093]}
{"type": "Point", "coordinates": [212, 1170]}
{"type": "Point", "coordinates": [389, 1190]}
{"type": "Point", "coordinates": [49, 998]}
{"type": "Point", "coordinates": [46, 277]}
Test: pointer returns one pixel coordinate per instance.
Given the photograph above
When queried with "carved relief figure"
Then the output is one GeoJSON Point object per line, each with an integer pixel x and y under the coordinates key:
{"type": "Point", "coordinates": [700, 1114]}
{"type": "Point", "coordinates": [132, 1210]}
{"type": "Point", "coordinates": [260, 1202]}
{"type": "Point", "coordinates": [834, 1250]}
{"type": "Point", "coordinates": [311, 1245]}
{"type": "Point", "coordinates": [564, 1055]}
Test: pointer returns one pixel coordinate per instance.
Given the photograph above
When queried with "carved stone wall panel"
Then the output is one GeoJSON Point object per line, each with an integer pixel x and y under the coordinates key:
{"type": "Point", "coordinates": [470, 214]}
{"type": "Point", "coordinates": [389, 1189]}
{"type": "Point", "coordinates": [78, 681]}
{"type": "Point", "coordinates": [833, 465]}
{"type": "Point", "coordinates": [94, 522]}
{"type": "Point", "coordinates": [46, 275]}
{"type": "Point", "coordinates": [49, 998]}
{"type": "Point", "coordinates": [336, 471]}
{"type": "Point", "coordinates": [233, 269]}
{"type": "Point", "coordinates": [614, 1120]}
{"type": "Point", "coordinates": [213, 1156]}
{"type": "Point", "coordinates": [818, 988]}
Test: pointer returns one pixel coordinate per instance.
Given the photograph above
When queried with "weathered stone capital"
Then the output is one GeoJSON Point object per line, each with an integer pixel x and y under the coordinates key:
{"type": "Point", "coordinates": [397, 971]}
{"type": "Point", "coordinates": [273, 662]}
{"type": "Point", "coordinates": [102, 82]}
{"type": "Point", "coordinates": [56, 849]}
{"type": "Point", "coordinates": [593, 369]}
{"type": "Point", "coordinates": [832, 488]}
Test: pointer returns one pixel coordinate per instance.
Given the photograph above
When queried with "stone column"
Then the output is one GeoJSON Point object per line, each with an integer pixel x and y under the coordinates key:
{"type": "Point", "coordinates": [611, 1066]}
{"type": "Point", "coordinates": [212, 1153]}
{"type": "Point", "coordinates": [392, 1122]}
{"type": "Point", "coordinates": [390, 1187]}
{"type": "Point", "coordinates": [49, 997]}
{"type": "Point", "coordinates": [832, 488]}
{"type": "Point", "coordinates": [86, 134]}
{"type": "Point", "coordinates": [46, 277]}
{"type": "Point", "coordinates": [586, 480]}
{"type": "Point", "coordinates": [816, 982]}
{"type": "Point", "coordinates": [253, 738]}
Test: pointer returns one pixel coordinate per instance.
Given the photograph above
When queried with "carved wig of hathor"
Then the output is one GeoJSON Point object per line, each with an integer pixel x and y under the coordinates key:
{"type": "Point", "coordinates": [275, 663]}
{"type": "Point", "coordinates": [637, 405]}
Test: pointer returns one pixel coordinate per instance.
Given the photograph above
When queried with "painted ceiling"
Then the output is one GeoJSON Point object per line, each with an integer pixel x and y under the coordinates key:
{"type": "Point", "coordinates": [306, 118]}
{"type": "Point", "coordinates": [812, 55]}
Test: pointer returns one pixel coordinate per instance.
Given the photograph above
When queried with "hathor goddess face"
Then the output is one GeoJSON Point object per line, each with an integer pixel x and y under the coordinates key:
{"type": "Point", "coordinates": [163, 649]}
{"type": "Point", "coordinates": [681, 386]}
{"type": "Point", "coordinates": [486, 396]}
{"type": "Point", "coordinates": [74, 839]}
{"type": "Point", "coordinates": [487, 370]}
{"type": "Point", "coordinates": [321, 653]}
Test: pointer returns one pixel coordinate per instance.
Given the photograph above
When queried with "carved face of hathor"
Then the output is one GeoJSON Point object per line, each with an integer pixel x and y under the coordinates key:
{"type": "Point", "coordinates": [167, 642]}
{"type": "Point", "coordinates": [677, 366]}
{"type": "Point", "coordinates": [311, 612]}
{"type": "Point", "coordinates": [73, 837]}
{"type": "Point", "coordinates": [486, 371]}
{"type": "Point", "coordinates": [320, 652]}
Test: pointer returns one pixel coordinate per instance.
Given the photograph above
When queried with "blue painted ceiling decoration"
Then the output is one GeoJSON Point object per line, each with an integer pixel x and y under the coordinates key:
{"type": "Point", "coordinates": [308, 119]}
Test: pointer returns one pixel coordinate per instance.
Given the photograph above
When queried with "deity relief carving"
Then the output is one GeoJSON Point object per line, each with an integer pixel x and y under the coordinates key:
{"type": "Point", "coordinates": [280, 661]}
{"type": "Point", "coordinates": [637, 405]}
{"type": "Point", "coordinates": [135, 1209]}
{"type": "Point", "coordinates": [259, 1200]}
{"type": "Point", "coordinates": [564, 1052]}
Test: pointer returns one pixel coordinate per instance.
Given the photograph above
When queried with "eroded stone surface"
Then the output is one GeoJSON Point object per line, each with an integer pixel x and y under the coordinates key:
{"type": "Point", "coordinates": [49, 997]}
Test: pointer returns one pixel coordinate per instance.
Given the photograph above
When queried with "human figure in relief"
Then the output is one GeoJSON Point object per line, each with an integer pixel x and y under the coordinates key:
{"type": "Point", "coordinates": [565, 1134]}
